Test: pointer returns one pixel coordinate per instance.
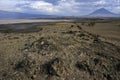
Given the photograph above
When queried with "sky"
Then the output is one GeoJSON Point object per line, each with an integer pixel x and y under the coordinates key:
{"type": "Point", "coordinates": [59, 7]}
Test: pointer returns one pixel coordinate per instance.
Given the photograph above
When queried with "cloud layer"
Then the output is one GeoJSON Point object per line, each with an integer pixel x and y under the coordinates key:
{"type": "Point", "coordinates": [59, 7]}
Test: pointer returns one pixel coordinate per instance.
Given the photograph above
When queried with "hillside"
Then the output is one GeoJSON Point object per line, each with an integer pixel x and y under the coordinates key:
{"type": "Point", "coordinates": [58, 51]}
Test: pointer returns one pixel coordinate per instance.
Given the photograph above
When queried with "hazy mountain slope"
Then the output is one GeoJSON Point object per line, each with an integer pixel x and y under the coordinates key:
{"type": "Point", "coordinates": [6, 14]}
{"type": "Point", "coordinates": [103, 13]}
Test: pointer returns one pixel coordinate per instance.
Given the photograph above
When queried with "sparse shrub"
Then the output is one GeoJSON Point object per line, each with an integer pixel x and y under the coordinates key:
{"type": "Point", "coordinates": [15, 37]}
{"type": "Point", "coordinates": [72, 26]}
{"type": "Point", "coordinates": [91, 24]}
{"type": "Point", "coordinates": [79, 27]}
{"type": "Point", "coordinates": [118, 25]}
{"type": "Point", "coordinates": [96, 61]}
{"type": "Point", "coordinates": [26, 66]}
{"type": "Point", "coordinates": [81, 35]}
{"type": "Point", "coordinates": [54, 67]}
{"type": "Point", "coordinates": [117, 67]}
{"type": "Point", "coordinates": [96, 39]}
{"type": "Point", "coordinates": [83, 66]}
{"type": "Point", "coordinates": [82, 23]}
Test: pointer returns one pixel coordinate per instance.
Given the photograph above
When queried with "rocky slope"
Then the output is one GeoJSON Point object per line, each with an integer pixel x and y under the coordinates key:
{"type": "Point", "coordinates": [65, 53]}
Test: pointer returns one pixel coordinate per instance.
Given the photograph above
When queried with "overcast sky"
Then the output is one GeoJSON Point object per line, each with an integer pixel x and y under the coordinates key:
{"type": "Point", "coordinates": [59, 7]}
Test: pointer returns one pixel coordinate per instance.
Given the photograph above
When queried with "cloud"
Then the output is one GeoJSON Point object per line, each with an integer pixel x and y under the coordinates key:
{"type": "Point", "coordinates": [118, 7]}
{"type": "Point", "coordinates": [101, 2]}
{"type": "Point", "coordinates": [43, 6]}
{"type": "Point", "coordinates": [59, 7]}
{"type": "Point", "coordinates": [10, 5]}
{"type": "Point", "coordinates": [68, 7]}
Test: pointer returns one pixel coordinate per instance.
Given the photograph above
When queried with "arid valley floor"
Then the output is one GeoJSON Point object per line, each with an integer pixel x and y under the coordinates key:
{"type": "Point", "coordinates": [60, 50]}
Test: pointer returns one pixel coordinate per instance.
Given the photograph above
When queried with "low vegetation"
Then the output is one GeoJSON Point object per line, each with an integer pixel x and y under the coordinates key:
{"type": "Point", "coordinates": [60, 51]}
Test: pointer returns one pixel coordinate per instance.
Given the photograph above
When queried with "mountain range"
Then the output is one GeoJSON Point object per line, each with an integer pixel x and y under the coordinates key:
{"type": "Point", "coordinates": [7, 14]}
{"type": "Point", "coordinates": [98, 13]}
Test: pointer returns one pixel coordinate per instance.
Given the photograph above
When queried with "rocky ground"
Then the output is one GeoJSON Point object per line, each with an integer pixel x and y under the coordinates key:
{"type": "Point", "coordinates": [58, 53]}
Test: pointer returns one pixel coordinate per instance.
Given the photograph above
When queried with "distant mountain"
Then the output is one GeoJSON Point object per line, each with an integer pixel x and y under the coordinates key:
{"type": "Point", "coordinates": [7, 14]}
{"type": "Point", "coordinates": [103, 13]}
